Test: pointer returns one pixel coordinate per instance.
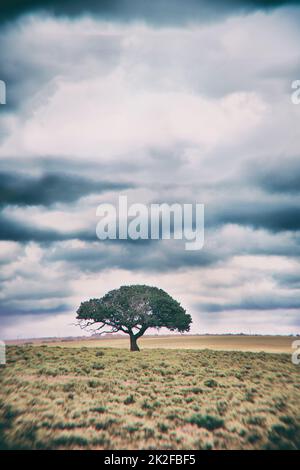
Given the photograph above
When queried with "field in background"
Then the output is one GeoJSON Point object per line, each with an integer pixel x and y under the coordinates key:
{"type": "Point", "coordinates": [274, 344]}
{"type": "Point", "coordinates": [104, 398]}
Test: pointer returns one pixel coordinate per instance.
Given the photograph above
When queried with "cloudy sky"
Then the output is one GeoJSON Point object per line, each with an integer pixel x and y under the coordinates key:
{"type": "Point", "coordinates": [162, 101]}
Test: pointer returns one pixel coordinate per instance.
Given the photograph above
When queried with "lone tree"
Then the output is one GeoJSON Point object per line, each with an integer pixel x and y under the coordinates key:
{"type": "Point", "coordinates": [132, 310]}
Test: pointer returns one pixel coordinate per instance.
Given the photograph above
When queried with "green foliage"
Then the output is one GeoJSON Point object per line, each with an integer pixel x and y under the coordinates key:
{"type": "Point", "coordinates": [68, 440]}
{"type": "Point", "coordinates": [129, 400]}
{"type": "Point", "coordinates": [256, 421]}
{"type": "Point", "coordinates": [163, 427]}
{"type": "Point", "coordinates": [134, 309]}
{"type": "Point", "coordinates": [206, 421]}
{"type": "Point", "coordinates": [284, 437]}
{"type": "Point", "coordinates": [211, 383]}
{"type": "Point", "coordinates": [99, 409]}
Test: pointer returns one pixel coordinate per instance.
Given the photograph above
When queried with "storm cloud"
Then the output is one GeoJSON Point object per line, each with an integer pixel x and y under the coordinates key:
{"type": "Point", "coordinates": [164, 102]}
{"type": "Point", "coordinates": [51, 188]}
{"type": "Point", "coordinates": [167, 12]}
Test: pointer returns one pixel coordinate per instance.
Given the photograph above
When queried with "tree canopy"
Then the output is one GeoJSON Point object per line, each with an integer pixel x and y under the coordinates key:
{"type": "Point", "coordinates": [132, 310]}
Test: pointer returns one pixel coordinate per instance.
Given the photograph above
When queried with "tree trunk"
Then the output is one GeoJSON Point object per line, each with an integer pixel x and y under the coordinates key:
{"type": "Point", "coordinates": [133, 343]}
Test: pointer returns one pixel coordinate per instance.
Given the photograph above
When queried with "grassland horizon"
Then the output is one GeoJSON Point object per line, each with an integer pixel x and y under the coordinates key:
{"type": "Point", "coordinates": [225, 342]}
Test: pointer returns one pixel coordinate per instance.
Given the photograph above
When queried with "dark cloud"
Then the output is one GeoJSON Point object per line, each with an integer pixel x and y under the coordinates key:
{"type": "Point", "coordinates": [8, 313]}
{"type": "Point", "coordinates": [27, 74]}
{"type": "Point", "coordinates": [139, 255]}
{"type": "Point", "coordinates": [84, 167]}
{"type": "Point", "coordinates": [275, 302]}
{"type": "Point", "coordinates": [50, 188]}
{"type": "Point", "coordinates": [280, 175]}
{"type": "Point", "coordinates": [155, 11]}
{"type": "Point", "coordinates": [251, 210]}
{"type": "Point", "coordinates": [288, 280]}
{"type": "Point", "coordinates": [274, 216]}
{"type": "Point", "coordinates": [19, 231]}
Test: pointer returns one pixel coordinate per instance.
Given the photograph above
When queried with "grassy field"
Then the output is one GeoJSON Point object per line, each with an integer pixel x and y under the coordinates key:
{"type": "Point", "coordinates": [104, 398]}
{"type": "Point", "coordinates": [274, 344]}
